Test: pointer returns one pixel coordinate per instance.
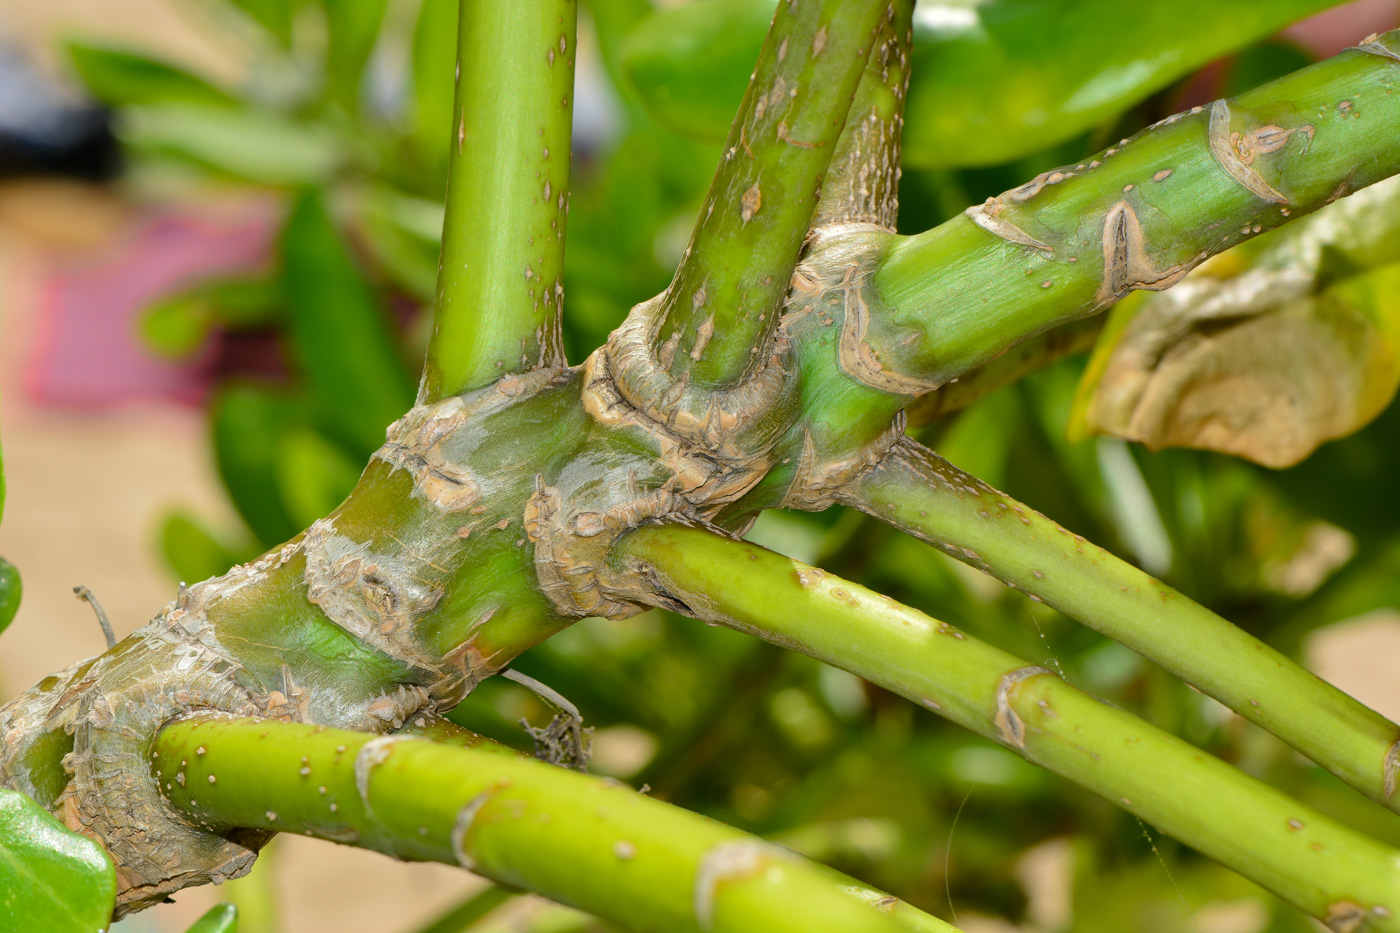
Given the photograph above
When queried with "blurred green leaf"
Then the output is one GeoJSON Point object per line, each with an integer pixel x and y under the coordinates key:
{"type": "Point", "coordinates": [119, 77]}
{"type": "Point", "coordinates": [252, 145]}
{"type": "Point", "coordinates": [192, 550]}
{"type": "Point", "coordinates": [11, 590]}
{"type": "Point", "coordinates": [998, 80]}
{"type": "Point", "coordinates": [221, 918]}
{"type": "Point", "coordinates": [613, 21]}
{"type": "Point", "coordinates": [244, 303]}
{"type": "Point", "coordinates": [314, 475]}
{"type": "Point", "coordinates": [858, 840]}
{"type": "Point", "coordinates": [256, 895]}
{"type": "Point", "coordinates": [630, 214]}
{"type": "Point", "coordinates": [1260, 353]}
{"type": "Point", "coordinates": [1063, 479]}
{"type": "Point", "coordinates": [352, 26]}
{"type": "Point", "coordinates": [176, 326]}
{"type": "Point", "coordinates": [273, 15]}
{"type": "Point", "coordinates": [1262, 63]}
{"type": "Point", "coordinates": [691, 63]}
{"type": "Point", "coordinates": [51, 878]}
{"type": "Point", "coordinates": [339, 333]}
{"type": "Point", "coordinates": [464, 915]}
{"type": "Point", "coordinates": [1346, 482]}
{"type": "Point", "coordinates": [247, 422]}
{"type": "Point", "coordinates": [405, 236]}
{"type": "Point", "coordinates": [992, 81]}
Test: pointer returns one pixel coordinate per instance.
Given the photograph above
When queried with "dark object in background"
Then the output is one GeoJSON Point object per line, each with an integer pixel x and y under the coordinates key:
{"type": "Point", "coordinates": [47, 130]}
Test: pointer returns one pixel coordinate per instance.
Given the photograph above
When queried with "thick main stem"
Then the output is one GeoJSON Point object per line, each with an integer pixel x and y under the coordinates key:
{"type": "Point", "coordinates": [919, 492]}
{"type": "Point", "coordinates": [591, 843]}
{"type": "Point", "coordinates": [715, 319]}
{"type": "Point", "coordinates": [1139, 215]}
{"type": "Point", "coordinates": [1325, 868]}
{"type": "Point", "coordinates": [501, 276]}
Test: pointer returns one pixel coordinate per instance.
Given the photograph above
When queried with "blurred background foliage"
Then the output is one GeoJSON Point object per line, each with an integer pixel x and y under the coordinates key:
{"type": "Point", "coordinates": [345, 117]}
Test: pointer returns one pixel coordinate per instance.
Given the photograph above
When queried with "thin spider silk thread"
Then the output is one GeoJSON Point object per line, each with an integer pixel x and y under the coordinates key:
{"type": "Point", "coordinates": [948, 854]}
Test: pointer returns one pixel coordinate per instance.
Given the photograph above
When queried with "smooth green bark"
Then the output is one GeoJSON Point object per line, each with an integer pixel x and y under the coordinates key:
{"type": "Point", "coordinates": [1316, 863]}
{"type": "Point", "coordinates": [1138, 215]}
{"type": "Point", "coordinates": [922, 494]}
{"type": "Point", "coordinates": [500, 279]}
{"type": "Point", "coordinates": [727, 294]}
{"type": "Point", "coordinates": [913, 919]}
{"type": "Point", "coordinates": [587, 842]}
{"type": "Point", "coordinates": [341, 338]}
{"type": "Point", "coordinates": [1017, 362]}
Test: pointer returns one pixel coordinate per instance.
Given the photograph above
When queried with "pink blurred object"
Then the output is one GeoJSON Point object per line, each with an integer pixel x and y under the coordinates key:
{"type": "Point", "coordinates": [1330, 31]}
{"type": "Point", "coordinates": [86, 352]}
{"type": "Point", "coordinates": [1324, 34]}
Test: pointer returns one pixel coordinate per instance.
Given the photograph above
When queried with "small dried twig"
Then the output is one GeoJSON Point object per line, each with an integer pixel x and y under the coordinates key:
{"type": "Point", "coordinates": [564, 741]}
{"type": "Point", "coordinates": [85, 594]}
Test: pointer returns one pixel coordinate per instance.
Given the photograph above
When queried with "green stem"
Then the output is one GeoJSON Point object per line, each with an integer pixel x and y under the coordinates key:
{"type": "Point", "coordinates": [723, 306]}
{"type": "Point", "coordinates": [913, 919]}
{"type": "Point", "coordinates": [591, 843]}
{"type": "Point", "coordinates": [922, 494]}
{"type": "Point", "coordinates": [1325, 868]}
{"type": "Point", "coordinates": [862, 184]}
{"type": "Point", "coordinates": [500, 281]}
{"type": "Point", "coordinates": [1138, 215]}
{"type": "Point", "coordinates": [1021, 360]}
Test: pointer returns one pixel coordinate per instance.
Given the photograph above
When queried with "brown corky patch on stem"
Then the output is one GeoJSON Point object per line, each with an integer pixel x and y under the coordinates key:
{"type": "Point", "coordinates": [375, 597]}
{"type": "Point", "coordinates": [988, 217]}
{"type": "Point", "coordinates": [1235, 152]}
{"type": "Point", "coordinates": [728, 861]}
{"type": "Point", "coordinates": [1011, 730]}
{"type": "Point", "coordinates": [1126, 263]}
{"type": "Point", "coordinates": [833, 282]}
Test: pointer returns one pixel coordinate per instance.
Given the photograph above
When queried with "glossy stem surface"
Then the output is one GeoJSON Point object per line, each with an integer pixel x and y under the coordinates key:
{"type": "Point", "coordinates": [500, 286]}
{"type": "Point", "coordinates": [1325, 868]}
{"type": "Point", "coordinates": [1140, 214]}
{"type": "Point", "coordinates": [588, 842]}
{"type": "Point", "coordinates": [922, 494]}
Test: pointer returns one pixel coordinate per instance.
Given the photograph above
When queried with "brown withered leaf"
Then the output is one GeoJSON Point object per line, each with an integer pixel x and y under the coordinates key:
{"type": "Point", "coordinates": [1265, 352]}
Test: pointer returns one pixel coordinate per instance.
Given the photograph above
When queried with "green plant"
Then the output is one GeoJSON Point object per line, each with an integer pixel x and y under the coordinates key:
{"type": "Point", "coordinates": [311, 688]}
